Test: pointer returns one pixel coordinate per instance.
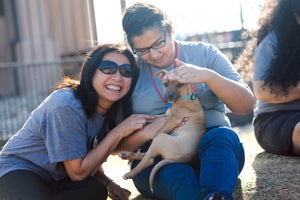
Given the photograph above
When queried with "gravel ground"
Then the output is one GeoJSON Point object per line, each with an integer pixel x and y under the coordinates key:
{"type": "Point", "coordinates": [265, 176]}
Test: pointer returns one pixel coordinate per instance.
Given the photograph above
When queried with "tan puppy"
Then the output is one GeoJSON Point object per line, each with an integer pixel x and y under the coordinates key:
{"type": "Point", "coordinates": [173, 144]}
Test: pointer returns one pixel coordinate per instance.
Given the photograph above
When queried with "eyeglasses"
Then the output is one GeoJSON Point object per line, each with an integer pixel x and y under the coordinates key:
{"type": "Point", "coordinates": [156, 46]}
{"type": "Point", "coordinates": [110, 67]}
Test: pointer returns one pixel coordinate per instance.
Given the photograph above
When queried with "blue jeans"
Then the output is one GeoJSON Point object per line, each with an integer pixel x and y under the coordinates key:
{"type": "Point", "coordinates": [221, 159]}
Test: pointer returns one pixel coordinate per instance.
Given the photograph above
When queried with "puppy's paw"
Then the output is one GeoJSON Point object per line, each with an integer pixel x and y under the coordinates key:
{"type": "Point", "coordinates": [125, 155]}
{"type": "Point", "coordinates": [126, 176]}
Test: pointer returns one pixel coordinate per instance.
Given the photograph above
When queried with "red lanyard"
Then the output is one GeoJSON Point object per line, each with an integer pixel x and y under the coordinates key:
{"type": "Point", "coordinates": [152, 77]}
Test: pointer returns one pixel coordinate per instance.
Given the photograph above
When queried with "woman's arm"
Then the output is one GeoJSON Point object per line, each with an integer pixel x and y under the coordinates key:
{"type": "Point", "coordinates": [137, 139]}
{"type": "Point", "coordinates": [236, 96]}
{"type": "Point", "coordinates": [79, 169]}
{"type": "Point", "coordinates": [263, 93]}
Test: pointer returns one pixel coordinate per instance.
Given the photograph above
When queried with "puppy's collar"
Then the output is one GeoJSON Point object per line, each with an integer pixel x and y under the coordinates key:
{"type": "Point", "coordinates": [192, 96]}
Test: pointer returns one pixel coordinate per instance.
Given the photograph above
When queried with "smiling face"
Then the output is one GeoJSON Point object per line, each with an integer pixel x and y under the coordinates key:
{"type": "Point", "coordinates": [111, 87]}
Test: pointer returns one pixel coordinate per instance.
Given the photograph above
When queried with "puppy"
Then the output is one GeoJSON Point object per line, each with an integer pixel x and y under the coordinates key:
{"type": "Point", "coordinates": [174, 144]}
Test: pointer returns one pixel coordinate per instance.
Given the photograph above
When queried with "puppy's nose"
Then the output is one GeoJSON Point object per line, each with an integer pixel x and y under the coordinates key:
{"type": "Point", "coordinates": [171, 95]}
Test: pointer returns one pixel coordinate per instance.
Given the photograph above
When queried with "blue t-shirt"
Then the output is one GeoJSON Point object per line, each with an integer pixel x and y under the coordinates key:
{"type": "Point", "coordinates": [57, 130]}
{"type": "Point", "coordinates": [146, 99]}
{"type": "Point", "coordinates": [263, 56]}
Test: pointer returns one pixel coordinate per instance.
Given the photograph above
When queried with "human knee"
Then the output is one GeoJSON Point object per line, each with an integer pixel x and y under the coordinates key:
{"type": "Point", "coordinates": [221, 139]}
{"type": "Point", "coordinates": [297, 129]}
{"type": "Point", "coordinates": [221, 135]}
{"type": "Point", "coordinates": [296, 134]}
{"type": "Point", "coordinates": [296, 139]}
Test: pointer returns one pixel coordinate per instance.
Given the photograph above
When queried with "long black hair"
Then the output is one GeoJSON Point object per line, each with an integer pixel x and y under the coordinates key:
{"type": "Point", "coordinates": [85, 91]}
{"type": "Point", "coordinates": [285, 67]}
{"type": "Point", "coordinates": [277, 16]}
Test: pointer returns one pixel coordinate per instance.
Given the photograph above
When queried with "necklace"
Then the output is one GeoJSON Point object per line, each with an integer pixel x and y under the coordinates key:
{"type": "Point", "coordinates": [102, 108]}
{"type": "Point", "coordinates": [152, 77]}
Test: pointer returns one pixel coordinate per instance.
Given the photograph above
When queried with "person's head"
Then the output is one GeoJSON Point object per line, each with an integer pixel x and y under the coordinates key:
{"type": "Point", "coordinates": [281, 16]}
{"type": "Point", "coordinates": [286, 15]}
{"type": "Point", "coordinates": [149, 33]}
{"type": "Point", "coordinates": [109, 73]}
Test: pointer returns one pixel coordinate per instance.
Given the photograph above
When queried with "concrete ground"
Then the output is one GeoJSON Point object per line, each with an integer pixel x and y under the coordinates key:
{"type": "Point", "coordinates": [265, 176]}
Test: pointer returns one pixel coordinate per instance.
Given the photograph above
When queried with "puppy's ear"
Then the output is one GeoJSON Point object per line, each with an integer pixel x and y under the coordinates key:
{"type": "Point", "coordinates": [160, 74]}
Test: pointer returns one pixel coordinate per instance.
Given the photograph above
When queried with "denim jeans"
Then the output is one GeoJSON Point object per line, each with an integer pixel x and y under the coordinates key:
{"type": "Point", "coordinates": [221, 159]}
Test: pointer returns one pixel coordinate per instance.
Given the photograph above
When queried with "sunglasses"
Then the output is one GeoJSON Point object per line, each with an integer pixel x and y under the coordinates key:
{"type": "Point", "coordinates": [110, 67]}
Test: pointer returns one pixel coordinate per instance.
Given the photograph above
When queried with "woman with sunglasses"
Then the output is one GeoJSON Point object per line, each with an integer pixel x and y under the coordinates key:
{"type": "Point", "coordinates": [221, 154]}
{"type": "Point", "coordinates": [59, 151]}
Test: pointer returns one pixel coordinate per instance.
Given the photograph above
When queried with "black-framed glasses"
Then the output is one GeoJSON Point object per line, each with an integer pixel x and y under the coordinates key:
{"type": "Point", "coordinates": [156, 46]}
{"type": "Point", "coordinates": [110, 67]}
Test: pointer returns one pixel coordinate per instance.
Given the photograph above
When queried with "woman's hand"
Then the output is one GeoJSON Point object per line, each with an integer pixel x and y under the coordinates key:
{"type": "Point", "coordinates": [185, 119]}
{"type": "Point", "coordinates": [138, 138]}
{"type": "Point", "coordinates": [187, 73]}
{"type": "Point", "coordinates": [155, 127]}
{"type": "Point", "coordinates": [115, 192]}
{"type": "Point", "coordinates": [133, 123]}
{"type": "Point", "coordinates": [235, 95]}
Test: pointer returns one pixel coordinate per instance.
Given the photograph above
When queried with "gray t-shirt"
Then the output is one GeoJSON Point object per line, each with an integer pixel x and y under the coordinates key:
{"type": "Point", "coordinates": [147, 100]}
{"type": "Point", "coordinates": [57, 130]}
{"type": "Point", "coordinates": [263, 56]}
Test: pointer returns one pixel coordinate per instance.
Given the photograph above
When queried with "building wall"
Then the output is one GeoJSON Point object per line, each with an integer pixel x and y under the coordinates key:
{"type": "Point", "coordinates": [37, 37]}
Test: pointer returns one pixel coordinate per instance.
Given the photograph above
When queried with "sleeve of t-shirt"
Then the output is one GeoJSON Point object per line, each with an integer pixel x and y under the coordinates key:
{"type": "Point", "coordinates": [65, 135]}
{"type": "Point", "coordinates": [263, 56]}
{"type": "Point", "coordinates": [218, 62]}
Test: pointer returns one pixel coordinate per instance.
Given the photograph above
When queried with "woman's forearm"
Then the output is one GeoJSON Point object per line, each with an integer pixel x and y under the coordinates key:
{"type": "Point", "coordinates": [236, 96]}
{"type": "Point", "coordinates": [131, 143]}
{"type": "Point", "coordinates": [79, 169]}
{"type": "Point", "coordinates": [264, 94]}
{"type": "Point", "coordinates": [137, 139]}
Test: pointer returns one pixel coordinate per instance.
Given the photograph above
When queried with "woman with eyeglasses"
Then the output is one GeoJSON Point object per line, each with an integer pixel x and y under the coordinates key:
{"type": "Point", "coordinates": [59, 151]}
{"type": "Point", "coordinates": [221, 154]}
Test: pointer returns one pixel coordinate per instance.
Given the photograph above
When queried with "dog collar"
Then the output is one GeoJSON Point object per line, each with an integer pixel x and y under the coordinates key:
{"type": "Point", "coordinates": [190, 96]}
